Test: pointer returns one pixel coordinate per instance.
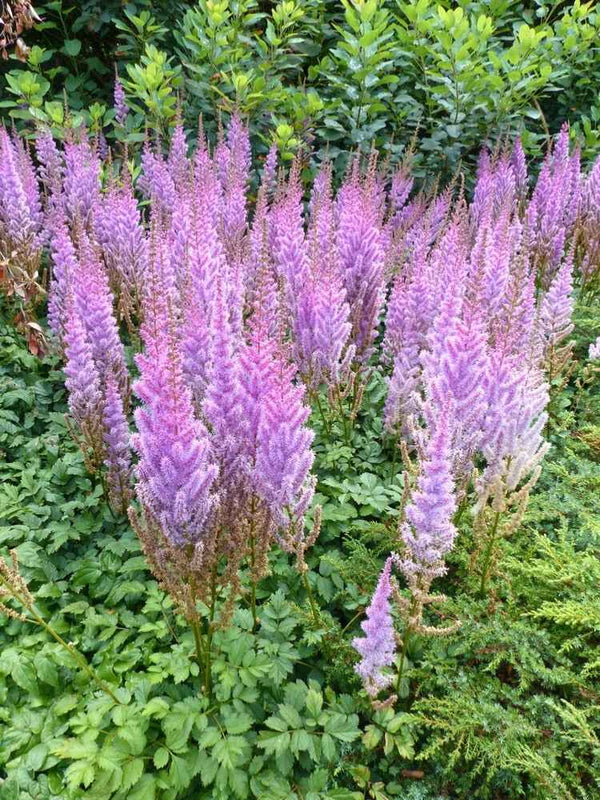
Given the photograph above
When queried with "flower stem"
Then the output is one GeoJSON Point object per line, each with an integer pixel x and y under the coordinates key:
{"type": "Point", "coordinates": [311, 598]}
{"type": "Point", "coordinates": [253, 563]}
{"type": "Point", "coordinates": [194, 625]}
{"type": "Point", "coordinates": [405, 640]}
{"type": "Point", "coordinates": [487, 558]}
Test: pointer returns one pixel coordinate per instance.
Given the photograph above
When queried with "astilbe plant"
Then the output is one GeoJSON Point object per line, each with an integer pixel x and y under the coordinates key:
{"type": "Point", "coordinates": [21, 235]}
{"type": "Point", "coordinates": [248, 310]}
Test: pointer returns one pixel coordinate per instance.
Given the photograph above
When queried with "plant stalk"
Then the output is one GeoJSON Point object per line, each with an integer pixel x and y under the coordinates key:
{"type": "Point", "coordinates": [487, 558]}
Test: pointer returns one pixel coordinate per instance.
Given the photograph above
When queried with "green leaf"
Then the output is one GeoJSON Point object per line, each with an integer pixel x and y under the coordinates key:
{"type": "Point", "coordinates": [132, 772]}
{"type": "Point", "coordinates": [144, 789]}
{"type": "Point", "coordinates": [71, 47]}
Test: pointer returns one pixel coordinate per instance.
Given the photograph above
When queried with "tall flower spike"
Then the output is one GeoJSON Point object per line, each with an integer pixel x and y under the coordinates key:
{"type": "Point", "coordinates": [120, 232]}
{"type": "Point", "coordinates": [284, 456]}
{"type": "Point", "coordinates": [221, 405]}
{"type": "Point", "coordinates": [20, 215]}
{"type": "Point", "coordinates": [555, 318]}
{"type": "Point", "coordinates": [116, 443]}
{"type": "Point", "coordinates": [65, 265]}
{"type": "Point", "coordinates": [288, 237]}
{"type": "Point", "coordinates": [94, 301]}
{"type": "Point", "coordinates": [84, 388]}
{"type": "Point", "coordinates": [378, 647]}
{"type": "Point", "coordinates": [428, 532]}
{"type": "Point", "coordinates": [359, 241]}
{"type": "Point", "coordinates": [81, 184]}
{"type": "Point", "coordinates": [175, 474]}
{"type": "Point", "coordinates": [120, 102]}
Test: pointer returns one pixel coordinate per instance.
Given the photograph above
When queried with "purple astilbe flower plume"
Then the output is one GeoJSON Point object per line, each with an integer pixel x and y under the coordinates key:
{"type": "Point", "coordinates": [513, 443]}
{"type": "Point", "coordinates": [553, 208]}
{"type": "Point", "coordinates": [330, 352]}
{"type": "Point", "coordinates": [519, 165]}
{"type": "Point", "coordinates": [119, 231]}
{"type": "Point", "coordinates": [81, 183]}
{"type": "Point", "coordinates": [195, 338]}
{"type": "Point", "coordinates": [20, 210]}
{"type": "Point", "coordinates": [557, 305]}
{"type": "Point", "coordinates": [51, 166]}
{"type": "Point", "coordinates": [288, 240]}
{"type": "Point", "coordinates": [513, 330]}
{"type": "Point", "coordinates": [178, 162]}
{"type": "Point", "coordinates": [94, 302]}
{"type": "Point", "coordinates": [321, 325]}
{"type": "Point", "coordinates": [199, 255]}
{"type": "Point", "coordinates": [400, 189]}
{"type": "Point", "coordinates": [221, 154]}
{"type": "Point", "coordinates": [175, 473]}
{"type": "Point", "coordinates": [236, 182]}
{"type": "Point", "coordinates": [29, 181]}
{"type": "Point", "coordinates": [378, 647]}
{"type": "Point", "coordinates": [269, 175]}
{"type": "Point", "coordinates": [594, 351]}
{"type": "Point", "coordinates": [360, 247]}
{"type": "Point", "coordinates": [504, 185]}
{"type": "Point", "coordinates": [117, 456]}
{"type": "Point", "coordinates": [455, 369]}
{"type": "Point", "coordinates": [555, 320]}
{"type": "Point", "coordinates": [120, 102]}
{"type": "Point", "coordinates": [483, 193]}
{"type": "Point", "coordinates": [284, 456]}
{"type": "Point", "coordinates": [258, 363]}
{"type": "Point", "coordinates": [84, 388]}
{"type": "Point", "coordinates": [429, 532]}
{"type": "Point", "coordinates": [65, 265]}
{"type": "Point", "coordinates": [221, 406]}
{"type": "Point", "coordinates": [155, 181]}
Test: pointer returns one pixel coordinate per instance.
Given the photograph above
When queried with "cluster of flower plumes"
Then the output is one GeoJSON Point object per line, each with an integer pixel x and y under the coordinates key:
{"type": "Point", "coordinates": [245, 310]}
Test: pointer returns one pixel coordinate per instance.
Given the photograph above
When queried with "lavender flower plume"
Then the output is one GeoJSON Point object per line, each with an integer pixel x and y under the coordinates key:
{"type": "Point", "coordinates": [288, 240]}
{"type": "Point", "coordinates": [361, 252]}
{"type": "Point", "coordinates": [51, 165]}
{"type": "Point", "coordinates": [117, 456]}
{"type": "Point", "coordinates": [155, 181]}
{"type": "Point", "coordinates": [557, 307]}
{"type": "Point", "coordinates": [378, 647]}
{"type": "Point", "coordinates": [178, 161]}
{"type": "Point", "coordinates": [120, 103]}
{"type": "Point", "coordinates": [513, 444]}
{"type": "Point", "coordinates": [94, 301]}
{"type": "Point", "coordinates": [175, 473]}
{"type": "Point", "coordinates": [429, 532]}
{"type": "Point", "coordinates": [83, 384]}
{"type": "Point", "coordinates": [20, 212]}
{"type": "Point", "coordinates": [81, 183]}
{"type": "Point", "coordinates": [221, 405]}
{"type": "Point", "coordinates": [120, 233]}
{"type": "Point", "coordinates": [594, 351]}
{"type": "Point", "coordinates": [65, 265]}
{"type": "Point", "coordinates": [519, 165]}
{"type": "Point", "coordinates": [284, 456]}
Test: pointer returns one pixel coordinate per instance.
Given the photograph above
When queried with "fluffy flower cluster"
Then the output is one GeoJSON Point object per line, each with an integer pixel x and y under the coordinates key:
{"type": "Point", "coordinates": [223, 448]}
{"type": "Point", "coordinates": [378, 647]}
